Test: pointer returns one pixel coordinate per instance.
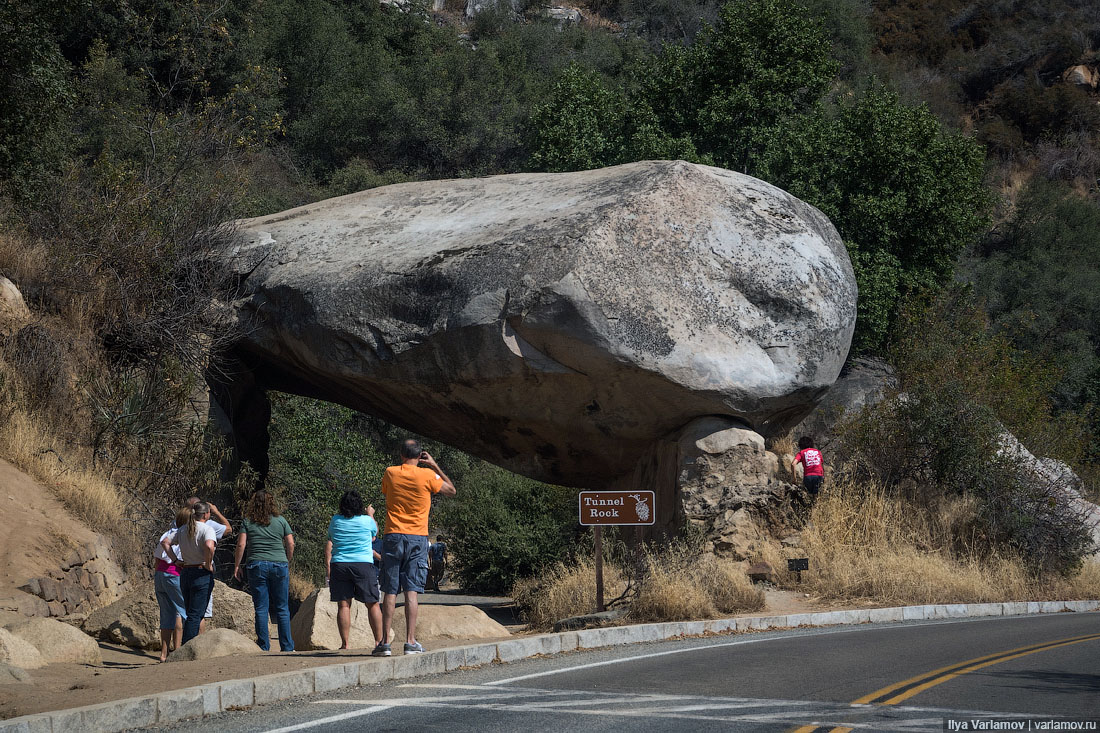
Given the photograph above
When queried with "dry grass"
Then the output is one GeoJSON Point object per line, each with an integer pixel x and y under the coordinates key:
{"type": "Point", "coordinates": [680, 586]}
{"type": "Point", "coordinates": [676, 585]}
{"type": "Point", "coordinates": [865, 545]}
{"type": "Point", "coordinates": [300, 586]}
{"type": "Point", "coordinates": [29, 445]}
{"type": "Point", "coordinates": [565, 590]}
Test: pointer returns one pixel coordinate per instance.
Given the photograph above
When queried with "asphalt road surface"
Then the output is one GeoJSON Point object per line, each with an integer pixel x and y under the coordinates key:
{"type": "Point", "coordinates": [901, 677]}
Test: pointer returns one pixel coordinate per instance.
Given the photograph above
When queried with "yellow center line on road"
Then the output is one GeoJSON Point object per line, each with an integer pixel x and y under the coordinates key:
{"type": "Point", "coordinates": [922, 682]}
{"type": "Point", "coordinates": [915, 685]}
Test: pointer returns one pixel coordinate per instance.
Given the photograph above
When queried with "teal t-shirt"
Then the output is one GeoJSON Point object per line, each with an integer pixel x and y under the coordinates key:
{"type": "Point", "coordinates": [265, 542]}
{"type": "Point", "coordinates": [352, 538]}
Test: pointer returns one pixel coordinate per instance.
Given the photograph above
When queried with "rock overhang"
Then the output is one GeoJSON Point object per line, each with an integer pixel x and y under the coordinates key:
{"type": "Point", "coordinates": [556, 324]}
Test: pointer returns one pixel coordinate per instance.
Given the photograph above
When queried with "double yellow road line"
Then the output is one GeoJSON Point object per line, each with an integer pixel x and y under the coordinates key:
{"type": "Point", "coordinates": [901, 691]}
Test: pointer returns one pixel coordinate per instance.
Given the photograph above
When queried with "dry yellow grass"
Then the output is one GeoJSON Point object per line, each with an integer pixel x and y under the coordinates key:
{"type": "Point", "coordinates": [28, 444]}
{"type": "Point", "coordinates": [865, 545]}
{"type": "Point", "coordinates": [677, 585]}
{"type": "Point", "coordinates": [300, 586]}
{"type": "Point", "coordinates": [565, 590]}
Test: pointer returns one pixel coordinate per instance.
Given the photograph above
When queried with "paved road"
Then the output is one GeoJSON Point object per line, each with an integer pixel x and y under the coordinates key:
{"type": "Point", "coordinates": [904, 677]}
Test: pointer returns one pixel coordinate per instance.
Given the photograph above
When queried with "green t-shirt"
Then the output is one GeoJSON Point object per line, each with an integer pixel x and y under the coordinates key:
{"type": "Point", "coordinates": [265, 542]}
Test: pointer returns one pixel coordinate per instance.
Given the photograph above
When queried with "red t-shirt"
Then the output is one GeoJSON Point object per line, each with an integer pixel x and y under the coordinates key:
{"type": "Point", "coordinates": [812, 465]}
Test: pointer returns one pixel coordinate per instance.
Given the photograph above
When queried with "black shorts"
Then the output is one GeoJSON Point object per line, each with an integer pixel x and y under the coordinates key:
{"type": "Point", "coordinates": [812, 483]}
{"type": "Point", "coordinates": [358, 580]}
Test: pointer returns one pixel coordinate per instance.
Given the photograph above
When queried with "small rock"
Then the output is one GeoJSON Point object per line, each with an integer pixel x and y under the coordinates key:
{"type": "Point", "coordinates": [214, 644]}
{"type": "Point", "coordinates": [57, 641]}
{"type": "Point", "coordinates": [761, 572]}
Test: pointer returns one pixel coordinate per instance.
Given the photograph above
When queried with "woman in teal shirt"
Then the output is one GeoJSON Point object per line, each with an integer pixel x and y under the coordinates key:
{"type": "Point", "coordinates": [349, 565]}
{"type": "Point", "coordinates": [266, 545]}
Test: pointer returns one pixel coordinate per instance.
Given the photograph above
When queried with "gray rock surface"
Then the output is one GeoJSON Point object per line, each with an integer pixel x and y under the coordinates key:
{"type": "Point", "coordinates": [863, 381]}
{"type": "Point", "coordinates": [730, 488]}
{"type": "Point", "coordinates": [10, 674]}
{"type": "Point", "coordinates": [556, 324]}
{"type": "Point", "coordinates": [314, 625]}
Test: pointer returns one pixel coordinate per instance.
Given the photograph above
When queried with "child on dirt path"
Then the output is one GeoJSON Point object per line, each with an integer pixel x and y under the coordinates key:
{"type": "Point", "coordinates": [813, 466]}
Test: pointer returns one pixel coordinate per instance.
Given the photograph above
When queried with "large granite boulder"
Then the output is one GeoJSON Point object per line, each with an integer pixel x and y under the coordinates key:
{"type": "Point", "coordinates": [555, 324]}
{"type": "Point", "coordinates": [18, 652]}
{"type": "Point", "coordinates": [863, 382]}
{"type": "Point", "coordinates": [314, 625]}
{"type": "Point", "coordinates": [441, 622]}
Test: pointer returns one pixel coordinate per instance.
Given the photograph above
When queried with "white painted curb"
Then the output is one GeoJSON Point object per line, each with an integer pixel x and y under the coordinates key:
{"type": "Point", "coordinates": [216, 697]}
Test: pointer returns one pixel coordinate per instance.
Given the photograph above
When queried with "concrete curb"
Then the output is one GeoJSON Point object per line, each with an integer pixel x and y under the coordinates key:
{"type": "Point", "coordinates": [197, 702]}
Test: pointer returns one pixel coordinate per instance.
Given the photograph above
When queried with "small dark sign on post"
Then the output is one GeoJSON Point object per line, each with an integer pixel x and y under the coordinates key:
{"type": "Point", "coordinates": [612, 508]}
{"type": "Point", "coordinates": [797, 565]}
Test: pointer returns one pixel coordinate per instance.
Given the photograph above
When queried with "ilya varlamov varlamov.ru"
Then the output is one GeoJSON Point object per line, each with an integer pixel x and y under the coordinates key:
{"type": "Point", "coordinates": [1025, 724]}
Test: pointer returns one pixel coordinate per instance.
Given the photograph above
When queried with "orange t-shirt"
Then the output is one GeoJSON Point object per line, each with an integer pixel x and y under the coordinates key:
{"type": "Point", "coordinates": [408, 491]}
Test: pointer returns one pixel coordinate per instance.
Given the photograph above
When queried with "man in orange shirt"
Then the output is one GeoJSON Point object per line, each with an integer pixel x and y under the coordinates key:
{"type": "Point", "coordinates": [408, 489]}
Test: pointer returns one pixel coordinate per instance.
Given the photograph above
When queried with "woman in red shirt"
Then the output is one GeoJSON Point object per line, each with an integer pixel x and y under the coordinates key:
{"type": "Point", "coordinates": [813, 467]}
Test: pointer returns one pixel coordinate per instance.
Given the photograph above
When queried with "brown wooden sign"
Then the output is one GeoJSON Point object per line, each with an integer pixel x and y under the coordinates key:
{"type": "Point", "coordinates": [616, 507]}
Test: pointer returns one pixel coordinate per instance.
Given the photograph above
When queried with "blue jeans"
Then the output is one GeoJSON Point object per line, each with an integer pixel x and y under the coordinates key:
{"type": "Point", "coordinates": [270, 586]}
{"type": "Point", "coordinates": [197, 584]}
{"type": "Point", "coordinates": [169, 599]}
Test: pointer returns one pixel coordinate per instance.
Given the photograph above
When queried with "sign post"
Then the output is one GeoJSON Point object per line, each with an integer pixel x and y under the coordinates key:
{"type": "Point", "coordinates": [617, 509]}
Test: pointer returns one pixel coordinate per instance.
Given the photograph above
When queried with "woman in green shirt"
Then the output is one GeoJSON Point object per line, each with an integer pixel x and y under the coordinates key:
{"type": "Point", "coordinates": [266, 545]}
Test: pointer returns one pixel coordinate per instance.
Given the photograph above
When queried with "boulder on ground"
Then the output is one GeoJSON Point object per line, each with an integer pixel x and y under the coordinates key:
{"type": "Point", "coordinates": [10, 674]}
{"type": "Point", "coordinates": [314, 626]}
{"type": "Point", "coordinates": [12, 305]}
{"type": "Point", "coordinates": [437, 622]}
{"type": "Point", "coordinates": [57, 641]}
{"type": "Point", "coordinates": [214, 644]}
{"type": "Point", "coordinates": [19, 653]}
{"type": "Point", "coordinates": [134, 619]}
{"type": "Point", "coordinates": [555, 324]}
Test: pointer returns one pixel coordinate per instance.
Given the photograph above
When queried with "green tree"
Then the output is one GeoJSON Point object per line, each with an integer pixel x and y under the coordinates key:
{"type": "Point", "coordinates": [1036, 274]}
{"type": "Point", "coordinates": [36, 96]}
{"type": "Point", "coordinates": [905, 194]}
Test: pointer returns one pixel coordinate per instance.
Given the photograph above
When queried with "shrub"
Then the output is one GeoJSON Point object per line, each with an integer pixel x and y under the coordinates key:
{"type": "Point", "coordinates": [678, 584]}
{"type": "Point", "coordinates": [563, 590]}
{"type": "Point", "coordinates": [941, 435]}
{"type": "Point", "coordinates": [502, 527]}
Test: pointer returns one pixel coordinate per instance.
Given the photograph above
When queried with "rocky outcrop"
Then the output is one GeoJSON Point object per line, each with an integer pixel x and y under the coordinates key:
{"type": "Point", "coordinates": [728, 485]}
{"type": "Point", "coordinates": [19, 653]}
{"type": "Point", "coordinates": [1058, 480]}
{"type": "Point", "coordinates": [57, 641]}
{"type": "Point", "coordinates": [134, 619]}
{"type": "Point", "coordinates": [86, 579]}
{"type": "Point", "coordinates": [214, 644]}
{"type": "Point", "coordinates": [556, 324]}
{"type": "Point", "coordinates": [314, 625]}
